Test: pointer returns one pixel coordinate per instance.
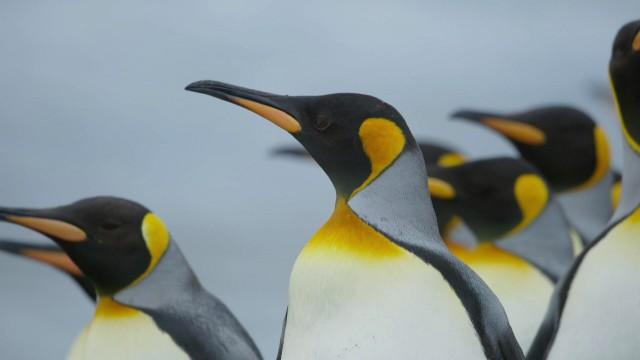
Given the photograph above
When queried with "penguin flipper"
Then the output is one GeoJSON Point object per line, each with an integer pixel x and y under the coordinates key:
{"type": "Point", "coordinates": [483, 307]}
{"type": "Point", "coordinates": [196, 320]}
{"type": "Point", "coordinates": [284, 325]}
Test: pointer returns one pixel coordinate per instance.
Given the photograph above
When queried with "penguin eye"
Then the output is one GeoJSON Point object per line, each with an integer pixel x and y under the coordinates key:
{"type": "Point", "coordinates": [321, 123]}
{"type": "Point", "coordinates": [110, 226]}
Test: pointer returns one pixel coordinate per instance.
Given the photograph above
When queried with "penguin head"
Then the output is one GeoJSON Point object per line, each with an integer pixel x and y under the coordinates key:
{"type": "Point", "coordinates": [115, 242]}
{"type": "Point", "coordinates": [564, 143]}
{"type": "Point", "coordinates": [353, 137]}
{"type": "Point", "coordinates": [493, 197]}
{"type": "Point", "coordinates": [624, 70]}
{"type": "Point", "coordinates": [440, 155]}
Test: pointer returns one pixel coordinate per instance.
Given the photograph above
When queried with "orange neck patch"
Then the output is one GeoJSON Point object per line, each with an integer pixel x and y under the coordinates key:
{"type": "Point", "coordinates": [108, 308]}
{"type": "Point", "coordinates": [485, 254]}
{"type": "Point", "coordinates": [346, 233]}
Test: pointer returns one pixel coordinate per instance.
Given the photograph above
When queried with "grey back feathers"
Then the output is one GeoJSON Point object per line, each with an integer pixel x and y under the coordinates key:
{"type": "Point", "coordinates": [398, 203]}
{"type": "Point", "coordinates": [463, 235]}
{"type": "Point", "coordinates": [589, 210]}
{"type": "Point", "coordinates": [546, 243]}
{"type": "Point", "coordinates": [196, 320]}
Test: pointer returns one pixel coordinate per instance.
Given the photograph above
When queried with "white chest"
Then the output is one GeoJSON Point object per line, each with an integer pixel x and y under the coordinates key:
{"type": "Point", "coordinates": [129, 335]}
{"type": "Point", "coordinates": [601, 318]}
{"type": "Point", "coordinates": [345, 307]}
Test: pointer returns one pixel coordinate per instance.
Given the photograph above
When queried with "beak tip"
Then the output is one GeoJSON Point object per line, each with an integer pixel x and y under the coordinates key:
{"type": "Point", "coordinates": [209, 87]}
{"type": "Point", "coordinates": [459, 115]}
{"type": "Point", "coordinates": [196, 86]}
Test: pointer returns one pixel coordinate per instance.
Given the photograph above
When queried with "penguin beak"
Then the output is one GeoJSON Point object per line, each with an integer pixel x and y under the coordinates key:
{"type": "Point", "coordinates": [512, 129]}
{"type": "Point", "coordinates": [45, 222]}
{"type": "Point", "coordinates": [50, 255]}
{"type": "Point", "coordinates": [276, 108]}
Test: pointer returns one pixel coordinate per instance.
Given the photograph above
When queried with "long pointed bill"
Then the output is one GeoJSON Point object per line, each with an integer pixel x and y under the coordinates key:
{"type": "Point", "coordinates": [514, 130]}
{"type": "Point", "coordinates": [47, 254]}
{"type": "Point", "coordinates": [270, 106]}
{"type": "Point", "coordinates": [40, 221]}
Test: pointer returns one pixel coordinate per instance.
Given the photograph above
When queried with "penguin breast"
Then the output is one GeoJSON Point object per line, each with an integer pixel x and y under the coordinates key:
{"type": "Point", "coordinates": [600, 317]}
{"type": "Point", "coordinates": [348, 300]}
{"type": "Point", "coordinates": [119, 332]}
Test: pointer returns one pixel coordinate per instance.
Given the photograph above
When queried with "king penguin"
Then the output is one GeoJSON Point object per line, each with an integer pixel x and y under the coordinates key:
{"type": "Point", "coordinates": [150, 303]}
{"type": "Point", "coordinates": [572, 153]}
{"type": "Point", "coordinates": [594, 312]}
{"type": "Point", "coordinates": [523, 239]}
{"type": "Point", "coordinates": [376, 281]}
{"type": "Point", "coordinates": [53, 256]}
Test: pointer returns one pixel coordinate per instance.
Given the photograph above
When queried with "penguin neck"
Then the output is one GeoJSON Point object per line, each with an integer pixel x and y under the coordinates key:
{"type": "Point", "coordinates": [545, 243]}
{"type": "Point", "coordinates": [589, 210]}
{"type": "Point", "coordinates": [106, 307]}
{"type": "Point", "coordinates": [397, 202]}
{"type": "Point", "coordinates": [170, 280]}
{"type": "Point", "coordinates": [630, 193]}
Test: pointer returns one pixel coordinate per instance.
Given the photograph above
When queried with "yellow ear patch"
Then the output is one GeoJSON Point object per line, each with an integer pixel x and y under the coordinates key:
{"type": "Point", "coordinates": [486, 253]}
{"type": "Point", "coordinates": [156, 236]}
{"type": "Point", "coordinates": [382, 142]}
{"type": "Point", "coordinates": [440, 189]}
{"type": "Point", "coordinates": [276, 116]}
{"type": "Point", "coordinates": [451, 159]}
{"type": "Point", "coordinates": [615, 194]}
{"type": "Point", "coordinates": [636, 42]}
{"type": "Point", "coordinates": [519, 132]}
{"type": "Point", "coordinates": [451, 225]}
{"type": "Point", "coordinates": [602, 158]}
{"type": "Point", "coordinates": [532, 195]}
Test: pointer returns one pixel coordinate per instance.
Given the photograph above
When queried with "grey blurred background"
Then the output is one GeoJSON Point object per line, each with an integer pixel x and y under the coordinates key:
{"type": "Point", "coordinates": [92, 102]}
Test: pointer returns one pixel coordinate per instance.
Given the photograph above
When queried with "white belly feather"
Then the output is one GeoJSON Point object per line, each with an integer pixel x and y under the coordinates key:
{"type": "Point", "coordinates": [125, 335]}
{"type": "Point", "coordinates": [601, 318]}
{"type": "Point", "coordinates": [353, 308]}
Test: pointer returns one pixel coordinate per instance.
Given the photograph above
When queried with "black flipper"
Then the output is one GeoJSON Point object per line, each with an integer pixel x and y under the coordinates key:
{"type": "Point", "coordinates": [284, 325]}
